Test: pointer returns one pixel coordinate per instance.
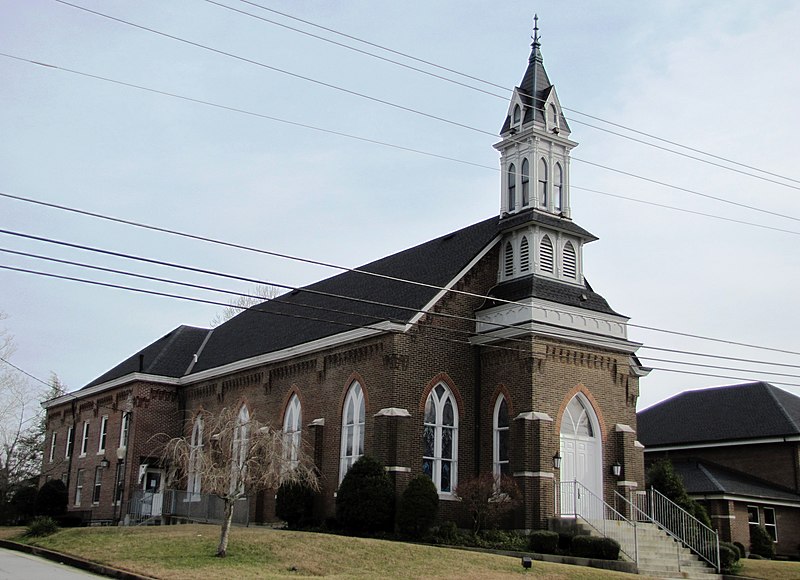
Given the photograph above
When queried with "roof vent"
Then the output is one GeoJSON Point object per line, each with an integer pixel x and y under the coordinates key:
{"type": "Point", "coordinates": [584, 297]}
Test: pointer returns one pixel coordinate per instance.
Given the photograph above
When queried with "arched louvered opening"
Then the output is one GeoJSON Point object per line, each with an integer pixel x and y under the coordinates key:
{"type": "Point", "coordinates": [517, 115]}
{"type": "Point", "coordinates": [546, 255]}
{"type": "Point", "coordinates": [524, 255]}
{"type": "Point", "coordinates": [543, 182]}
{"type": "Point", "coordinates": [512, 187]}
{"type": "Point", "coordinates": [570, 261]}
{"type": "Point", "coordinates": [526, 193]}
{"type": "Point", "coordinates": [508, 260]}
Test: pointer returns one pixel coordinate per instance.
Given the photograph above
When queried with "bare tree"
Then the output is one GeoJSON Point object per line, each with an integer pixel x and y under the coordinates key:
{"type": "Point", "coordinates": [257, 295]}
{"type": "Point", "coordinates": [22, 421]}
{"type": "Point", "coordinates": [235, 456]}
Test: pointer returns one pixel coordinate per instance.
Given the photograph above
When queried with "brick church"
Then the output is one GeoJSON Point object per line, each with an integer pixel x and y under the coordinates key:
{"type": "Point", "coordinates": [484, 350]}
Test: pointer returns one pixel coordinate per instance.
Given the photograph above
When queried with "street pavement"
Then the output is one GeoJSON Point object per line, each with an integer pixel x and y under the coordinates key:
{"type": "Point", "coordinates": [20, 566]}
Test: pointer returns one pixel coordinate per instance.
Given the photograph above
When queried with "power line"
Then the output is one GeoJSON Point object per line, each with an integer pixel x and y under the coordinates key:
{"type": "Point", "coordinates": [343, 268]}
{"type": "Point", "coordinates": [374, 141]}
{"type": "Point", "coordinates": [26, 373]}
{"type": "Point", "coordinates": [329, 321]}
{"type": "Point", "coordinates": [402, 107]}
{"type": "Point", "coordinates": [699, 374]}
{"type": "Point", "coordinates": [504, 97]}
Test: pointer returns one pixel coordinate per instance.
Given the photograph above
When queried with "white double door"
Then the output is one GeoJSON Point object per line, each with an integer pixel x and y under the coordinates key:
{"type": "Point", "coordinates": [580, 471]}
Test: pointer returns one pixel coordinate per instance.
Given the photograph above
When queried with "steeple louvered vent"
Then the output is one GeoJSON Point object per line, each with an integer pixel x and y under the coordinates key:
{"type": "Point", "coordinates": [570, 261]}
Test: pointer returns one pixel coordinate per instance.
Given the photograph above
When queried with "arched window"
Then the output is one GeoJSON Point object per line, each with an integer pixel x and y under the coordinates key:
{"type": "Point", "coordinates": [512, 187]}
{"type": "Point", "coordinates": [508, 260]}
{"type": "Point", "coordinates": [500, 439]}
{"type": "Point", "coordinates": [517, 115]}
{"type": "Point", "coordinates": [575, 421]}
{"type": "Point", "coordinates": [526, 195]}
{"type": "Point", "coordinates": [440, 439]}
{"type": "Point", "coordinates": [241, 437]}
{"type": "Point", "coordinates": [570, 268]}
{"type": "Point", "coordinates": [546, 255]}
{"type": "Point", "coordinates": [553, 116]}
{"type": "Point", "coordinates": [542, 182]}
{"type": "Point", "coordinates": [292, 421]}
{"type": "Point", "coordinates": [193, 483]}
{"type": "Point", "coordinates": [524, 255]}
{"type": "Point", "coordinates": [352, 429]}
{"type": "Point", "coordinates": [558, 187]}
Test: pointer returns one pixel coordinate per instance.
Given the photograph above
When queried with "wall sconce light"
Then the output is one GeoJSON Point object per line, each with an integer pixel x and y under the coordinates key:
{"type": "Point", "coordinates": [557, 460]}
{"type": "Point", "coordinates": [616, 469]}
{"type": "Point", "coordinates": [104, 463]}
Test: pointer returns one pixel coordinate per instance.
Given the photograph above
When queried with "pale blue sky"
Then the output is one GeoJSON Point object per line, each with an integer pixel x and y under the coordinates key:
{"type": "Point", "coordinates": [719, 76]}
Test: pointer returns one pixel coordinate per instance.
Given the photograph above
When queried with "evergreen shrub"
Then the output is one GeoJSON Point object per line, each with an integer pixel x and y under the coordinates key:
{"type": "Point", "coordinates": [761, 543]}
{"type": "Point", "coordinates": [42, 526]}
{"type": "Point", "coordinates": [365, 500]}
{"type": "Point", "coordinates": [418, 507]}
{"type": "Point", "coordinates": [543, 542]}
{"type": "Point", "coordinates": [294, 504]}
{"type": "Point", "coordinates": [585, 546]}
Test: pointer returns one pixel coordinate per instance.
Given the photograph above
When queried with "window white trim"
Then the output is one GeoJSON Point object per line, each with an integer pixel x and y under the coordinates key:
{"type": "Point", "coordinates": [79, 475]}
{"type": "Point", "coordinates": [194, 479]}
{"type": "Point", "coordinates": [52, 446]}
{"type": "Point", "coordinates": [500, 465]}
{"type": "Point", "coordinates": [85, 439]}
{"type": "Point", "coordinates": [511, 187]}
{"type": "Point", "coordinates": [125, 429]}
{"type": "Point", "coordinates": [440, 439]}
{"type": "Point", "coordinates": [525, 182]}
{"type": "Point", "coordinates": [101, 442]}
{"type": "Point", "coordinates": [352, 435]}
{"type": "Point", "coordinates": [70, 442]}
{"type": "Point", "coordinates": [241, 437]}
{"type": "Point", "coordinates": [292, 432]}
{"type": "Point", "coordinates": [98, 485]}
{"type": "Point", "coordinates": [771, 522]}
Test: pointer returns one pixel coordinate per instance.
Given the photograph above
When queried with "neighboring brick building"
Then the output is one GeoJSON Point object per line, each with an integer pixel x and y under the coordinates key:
{"type": "Point", "coordinates": [737, 449]}
{"type": "Point", "coordinates": [482, 350]}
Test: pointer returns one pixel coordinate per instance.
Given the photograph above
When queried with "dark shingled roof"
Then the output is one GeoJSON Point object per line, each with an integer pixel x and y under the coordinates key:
{"type": "Point", "coordinates": [535, 287]}
{"type": "Point", "coordinates": [169, 356]}
{"type": "Point", "coordinates": [534, 88]}
{"type": "Point", "coordinates": [323, 309]}
{"type": "Point", "coordinates": [701, 477]}
{"type": "Point", "coordinates": [748, 411]}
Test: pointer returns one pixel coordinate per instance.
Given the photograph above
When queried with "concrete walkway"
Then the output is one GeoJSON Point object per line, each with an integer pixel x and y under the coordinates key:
{"type": "Point", "coordinates": [16, 565]}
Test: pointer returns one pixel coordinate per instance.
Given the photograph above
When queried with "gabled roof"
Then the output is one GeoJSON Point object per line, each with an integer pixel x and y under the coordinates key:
{"type": "Point", "coordinates": [739, 412]}
{"type": "Point", "coordinates": [327, 308]}
{"type": "Point", "coordinates": [704, 478]}
{"type": "Point", "coordinates": [169, 356]}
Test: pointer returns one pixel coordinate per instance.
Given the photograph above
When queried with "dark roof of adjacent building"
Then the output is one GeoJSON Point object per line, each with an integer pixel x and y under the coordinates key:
{"type": "Point", "coordinates": [704, 478]}
{"type": "Point", "coordinates": [739, 412]}
{"type": "Point", "coordinates": [354, 299]}
{"type": "Point", "coordinates": [169, 356]}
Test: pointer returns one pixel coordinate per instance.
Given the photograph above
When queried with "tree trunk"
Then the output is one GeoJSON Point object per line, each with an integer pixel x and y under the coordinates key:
{"type": "Point", "coordinates": [222, 549]}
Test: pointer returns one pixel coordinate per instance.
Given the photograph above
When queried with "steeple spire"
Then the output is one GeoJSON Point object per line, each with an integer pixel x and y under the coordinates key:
{"type": "Point", "coordinates": [536, 55]}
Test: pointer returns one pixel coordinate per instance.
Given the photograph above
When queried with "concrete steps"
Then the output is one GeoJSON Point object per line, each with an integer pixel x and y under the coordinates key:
{"type": "Point", "coordinates": [662, 557]}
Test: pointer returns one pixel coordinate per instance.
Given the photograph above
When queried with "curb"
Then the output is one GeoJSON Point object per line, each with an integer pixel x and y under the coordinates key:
{"type": "Point", "coordinates": [73, 561]}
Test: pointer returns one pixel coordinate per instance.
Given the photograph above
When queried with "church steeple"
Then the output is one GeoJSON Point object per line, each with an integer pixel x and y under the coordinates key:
{"type": "Point", "coordinates": [535, 146]}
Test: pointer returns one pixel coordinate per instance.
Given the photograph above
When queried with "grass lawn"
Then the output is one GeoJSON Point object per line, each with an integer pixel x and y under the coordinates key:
{"type": "Point", "coordinates": [179, 552]}
{"type": "Point", "coordinates": [770, 569]}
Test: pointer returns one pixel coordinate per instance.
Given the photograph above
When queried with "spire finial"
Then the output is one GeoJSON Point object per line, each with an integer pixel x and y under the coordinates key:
{"type": "Point", "coordinates": [535, 36]}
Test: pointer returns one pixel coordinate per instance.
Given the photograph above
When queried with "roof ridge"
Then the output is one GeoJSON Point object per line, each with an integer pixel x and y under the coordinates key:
{"type": "Point", "coordinates": [173, 336]}
{"type": "Point", "coordinates": [701, 466]}
{"type": "Point", "coordinates": [771, 390]}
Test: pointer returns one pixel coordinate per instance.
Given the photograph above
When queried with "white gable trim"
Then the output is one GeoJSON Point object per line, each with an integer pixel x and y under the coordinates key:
{"type": "Point", "coordinates": [425, 309]}
{"type": "Point", "coordinates": [657, 448]}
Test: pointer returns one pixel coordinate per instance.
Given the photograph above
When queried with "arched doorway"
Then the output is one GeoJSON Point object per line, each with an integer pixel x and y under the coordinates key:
{"type": "Point", "coordinates": [582, 456]}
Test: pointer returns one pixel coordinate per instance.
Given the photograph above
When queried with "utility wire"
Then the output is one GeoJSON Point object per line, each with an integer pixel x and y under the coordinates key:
{"type": "Point", "coordinates": [504, 88]}
{"type": "Point", "coordinates": [699, 374]}
{"type": "Point", "coordinates": [328, 310]}
{"type": "Point", "coordinates": [27, 374]}
{"type": "Point", "coordinates": [374, 141]}
{"type": "Point", "coordinates": [402, 107]}
{"type": "Point", "coordinates": [345, 269]}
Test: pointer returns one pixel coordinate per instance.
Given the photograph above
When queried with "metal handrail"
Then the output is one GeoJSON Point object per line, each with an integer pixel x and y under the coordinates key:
{"type": "Point", "coordinates": [602, 517]}
{"type": "Point", "coordinates": [678, 523]}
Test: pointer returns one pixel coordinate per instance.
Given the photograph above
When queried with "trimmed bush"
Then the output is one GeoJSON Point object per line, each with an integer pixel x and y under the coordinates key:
{"type": "Point", "coordinates": [51, 499]}
{"type": "Point", "coordinates": [42, 526]}
{"type": "Point", "coordinates": [294, 504]}
{"type": "Point", "coordinates": [564, 542]}
{"type": "Point", "coordinates": [742, 551]}
{"type": "Point", "coordinates": [418, 507]}
{"type": "Point", "coordinates": [585, 546]}
{"type": "Point", "coordinates": [728, 558]}
{"type": "Point", "coordinates": [365, 500]}
{"type": "Point", "coordinates": [543, 542]}
{"type": "Point", "coordinates": [448, 534]}
{"type": "Point", "coordinates": [761, 542]}
{"type": "Point", "coordinates": [501, 540]}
